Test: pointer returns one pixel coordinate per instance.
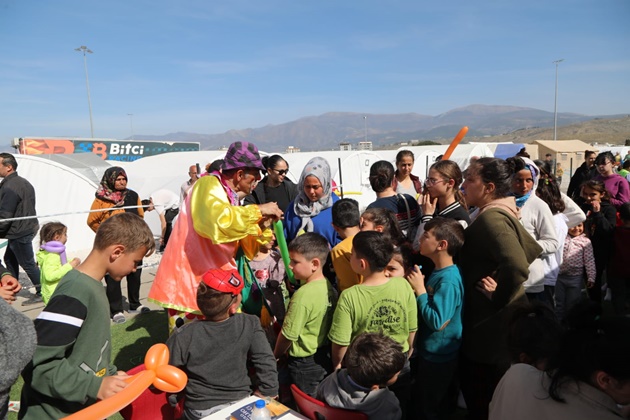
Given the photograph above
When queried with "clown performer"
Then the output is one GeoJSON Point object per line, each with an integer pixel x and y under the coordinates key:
{"type": "Point", "coordinates": [214, 231]}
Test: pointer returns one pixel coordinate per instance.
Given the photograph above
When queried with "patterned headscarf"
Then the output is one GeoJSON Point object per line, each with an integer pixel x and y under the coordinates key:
{"type": "Point", "coordinates": [303, 206]}
{"type": "Point", "coordinates": [107, 190]}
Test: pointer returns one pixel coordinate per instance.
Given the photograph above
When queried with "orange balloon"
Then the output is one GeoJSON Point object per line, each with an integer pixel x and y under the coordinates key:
{"type": "Point", "coordinates": [458, 138]}
{"type": "Point", "coordinates": [113, 404]}
{"type": "Point", "coordinates": [132, 378]}
{"type": "Point", "coordinates": [157, 355]}
{"type": "Point", "coordinates": [170, 379]}
{"type": "Point", "coordinates": [158, 372]}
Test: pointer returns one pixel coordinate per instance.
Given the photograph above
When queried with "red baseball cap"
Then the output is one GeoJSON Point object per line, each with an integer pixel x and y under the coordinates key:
{"type": "Point", "coordinates": [226, 281]}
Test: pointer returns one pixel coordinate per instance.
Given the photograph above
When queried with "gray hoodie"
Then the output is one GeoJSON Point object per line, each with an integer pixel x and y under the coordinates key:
{"type": "Point", "coordinates": [17, 345]}
{"type": "Point", "coordinates": [338, 390]}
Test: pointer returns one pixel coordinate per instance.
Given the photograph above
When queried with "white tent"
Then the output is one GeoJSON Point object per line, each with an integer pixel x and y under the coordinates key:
{"type": "Point", "coordinates": [88, 164]}
{"type": "Point", "coordinates": [62, 194]}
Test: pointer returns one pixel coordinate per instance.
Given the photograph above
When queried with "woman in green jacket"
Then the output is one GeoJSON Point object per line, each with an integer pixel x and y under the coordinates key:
{"type": "Point", "coordinates": [494, 263]}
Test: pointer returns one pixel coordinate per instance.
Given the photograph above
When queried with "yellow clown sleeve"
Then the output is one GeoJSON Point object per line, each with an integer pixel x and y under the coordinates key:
{"type": "Point", "coordinates": [216, 219]}
{"type": "Point", "coordinates": [250, 244]}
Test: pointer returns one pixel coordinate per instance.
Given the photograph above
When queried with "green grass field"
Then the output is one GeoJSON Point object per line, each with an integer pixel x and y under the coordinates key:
{"type": "Point", "coordinates": [130, 342]}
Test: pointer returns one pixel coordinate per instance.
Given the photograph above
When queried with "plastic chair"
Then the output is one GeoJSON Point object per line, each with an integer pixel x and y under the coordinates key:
{"type": "Point", "coordinates": [151, 404]}
{"type": "Point", "coordinates": [318, 410]}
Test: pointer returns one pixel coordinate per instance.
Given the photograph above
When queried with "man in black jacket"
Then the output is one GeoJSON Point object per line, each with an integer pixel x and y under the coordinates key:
{"type": "Point", "coordinates": [585, 172]}
{"type": "Point", "coordinates": [17, 199]}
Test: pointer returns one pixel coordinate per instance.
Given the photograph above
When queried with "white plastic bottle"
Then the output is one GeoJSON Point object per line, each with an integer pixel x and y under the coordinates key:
{"type": "Point", "coordinates": [260, 411]}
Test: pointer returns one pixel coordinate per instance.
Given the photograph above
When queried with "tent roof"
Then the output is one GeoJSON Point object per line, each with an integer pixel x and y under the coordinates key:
{"type": "Point", "coordinates": [87, 164]}
{"type": "Point", "coordinates": [565, 146]}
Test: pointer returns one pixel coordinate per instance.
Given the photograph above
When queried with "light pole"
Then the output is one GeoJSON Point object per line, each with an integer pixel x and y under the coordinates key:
{"type": "Point", "coordinates": [555, 105]}
{"type": "Point", "coordinates": [85, 50]}
{"type": "Point", "coordinates": [365, 124]}
{"type": "Point", "coordinates": [131, 124]}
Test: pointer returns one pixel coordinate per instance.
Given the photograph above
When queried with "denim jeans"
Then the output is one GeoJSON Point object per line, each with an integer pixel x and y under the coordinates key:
{"type": "Point", "coordinates": [307, 372]}
{"type": "Point", "coordinates": [568, 293]}
{"type": "Point", "coordinates": [20, 253]}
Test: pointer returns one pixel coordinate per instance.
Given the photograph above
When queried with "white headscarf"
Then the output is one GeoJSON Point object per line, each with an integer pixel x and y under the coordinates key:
{"type": "Point", "coordinates": [303, 206]}
{"type": "Point", "coordinates": [533, 169]}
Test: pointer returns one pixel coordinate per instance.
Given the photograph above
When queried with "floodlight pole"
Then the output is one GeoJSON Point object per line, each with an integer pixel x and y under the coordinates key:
{"type": "Point", "coordinates": [365, 126]}
{"type": "Point", "coordinates": [555, 105]}
{"type": "Point", "coordinates": [85, 50]}
{"type": "Point", "coordinates": [131, 124]}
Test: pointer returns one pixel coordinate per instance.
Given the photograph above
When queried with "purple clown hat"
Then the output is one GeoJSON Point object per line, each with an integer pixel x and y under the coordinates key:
{"type": "Point", "coordinates": [242, 154]}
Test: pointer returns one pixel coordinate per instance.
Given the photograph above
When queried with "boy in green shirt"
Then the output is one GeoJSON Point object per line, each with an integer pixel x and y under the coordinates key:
{"type": "Point", "coordinates": [309, 316]}
{"type": "Point", "coordinates": [379, 304]}
{"type": "Point", "coordinates": [71, 367]}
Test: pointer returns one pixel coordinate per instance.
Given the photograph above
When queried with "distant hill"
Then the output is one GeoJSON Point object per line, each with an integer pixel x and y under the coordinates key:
{"type": "Point", "coordinates": [596, 130]}
{"type": "Point", "coordinates": [326, 131]}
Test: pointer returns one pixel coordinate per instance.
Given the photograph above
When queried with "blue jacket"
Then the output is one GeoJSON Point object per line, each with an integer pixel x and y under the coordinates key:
{"type": "Point", "coordinates": [440, 310]}
{"type": "Point", "coordinates": [322, 224]}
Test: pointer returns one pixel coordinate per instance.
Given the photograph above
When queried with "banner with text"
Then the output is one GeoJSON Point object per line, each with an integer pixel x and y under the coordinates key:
{"type": "Point", "coordinates": [107, 149]}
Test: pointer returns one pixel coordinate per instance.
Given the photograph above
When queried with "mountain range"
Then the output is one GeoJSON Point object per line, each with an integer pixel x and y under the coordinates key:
{"type": "Point", "coordinates": [326, 131]}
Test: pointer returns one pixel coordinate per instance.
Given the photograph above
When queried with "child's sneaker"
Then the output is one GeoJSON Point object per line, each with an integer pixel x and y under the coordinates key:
{"type": "Point", "coordinates": [33, 300]}
{"type": "Point", "coordinates": [118, 318]}
{"type": "Point", "coordinates": [608, 296]}
{"type": "Point", "coordinates": [140, 310]}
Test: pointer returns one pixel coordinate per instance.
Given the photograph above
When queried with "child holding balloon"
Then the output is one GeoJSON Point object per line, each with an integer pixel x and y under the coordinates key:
{"type": "Point", "coordinates": [71, 368]}
{"type": "Point", "coordinates": [269, 271]}
{"type": "Point", "coordinates": [51, 257]}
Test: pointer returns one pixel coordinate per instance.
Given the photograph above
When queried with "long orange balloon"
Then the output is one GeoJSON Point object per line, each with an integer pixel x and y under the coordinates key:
{"type": "Point", "coordinates": [158, 372]}
{"type": "Point", "coordinates": [115, 403]}
{"type": "Point", "coordinates": [455, 142]}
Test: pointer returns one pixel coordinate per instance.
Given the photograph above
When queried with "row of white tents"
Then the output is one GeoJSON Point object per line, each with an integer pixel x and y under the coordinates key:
{"type": "Point", "coordinates": [65, 184]}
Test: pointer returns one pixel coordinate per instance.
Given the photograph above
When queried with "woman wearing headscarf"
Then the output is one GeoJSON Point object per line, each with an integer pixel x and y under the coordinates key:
{"type": "Point", "coordinates": [110, 198]}
{"type": "Point", "coordinates": [537, 219]}
{"type": "Point", "coordinates": [311, 211]}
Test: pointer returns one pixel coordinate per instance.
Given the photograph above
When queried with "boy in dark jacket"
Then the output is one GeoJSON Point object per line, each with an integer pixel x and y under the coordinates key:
{"type": "Point", "coordinates": [214, 352]}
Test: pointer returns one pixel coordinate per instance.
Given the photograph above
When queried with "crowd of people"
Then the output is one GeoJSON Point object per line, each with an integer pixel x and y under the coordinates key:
{"type": "Point", "coordinates": [487, 283]}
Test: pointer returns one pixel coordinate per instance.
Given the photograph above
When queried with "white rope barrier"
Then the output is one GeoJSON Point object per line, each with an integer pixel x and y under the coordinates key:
{"type": "Point", "coordinates": [46, 216]}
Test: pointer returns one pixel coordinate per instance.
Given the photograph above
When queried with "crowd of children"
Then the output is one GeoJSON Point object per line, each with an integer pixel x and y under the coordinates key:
{"type": "Point", "coordinates": [388, 320]}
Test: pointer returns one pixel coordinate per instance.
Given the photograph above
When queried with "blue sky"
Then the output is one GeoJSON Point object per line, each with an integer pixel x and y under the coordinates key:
{"type": "Point", "coordinates": [208, 66]}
